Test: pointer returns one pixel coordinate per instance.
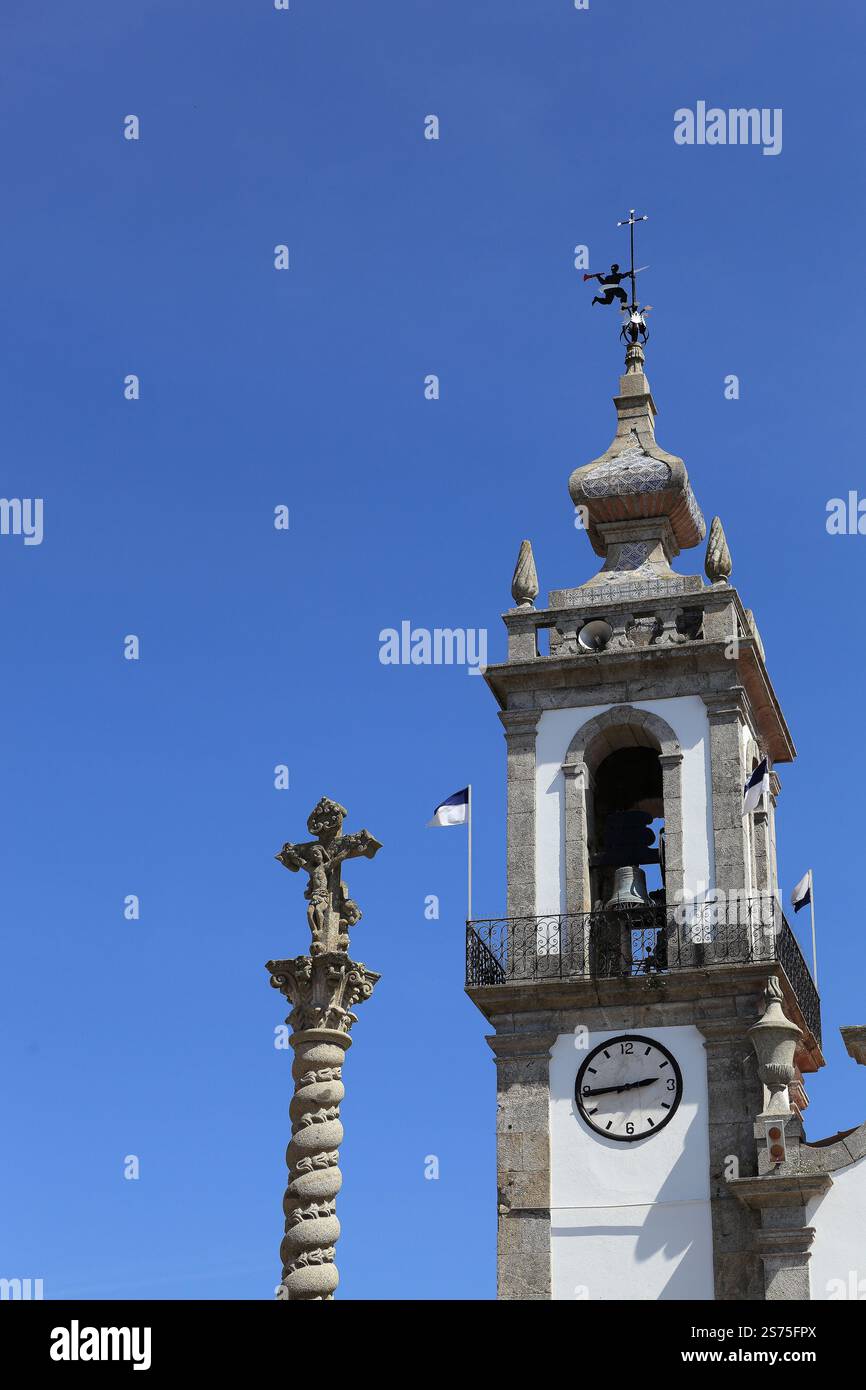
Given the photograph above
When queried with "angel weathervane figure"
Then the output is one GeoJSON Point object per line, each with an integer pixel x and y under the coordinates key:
{"type": "Point", "coordinates": [330, 911]}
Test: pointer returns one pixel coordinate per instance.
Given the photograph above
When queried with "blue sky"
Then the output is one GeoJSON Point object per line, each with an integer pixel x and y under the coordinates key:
{"type": "Point", "coordinates": [259, 647]}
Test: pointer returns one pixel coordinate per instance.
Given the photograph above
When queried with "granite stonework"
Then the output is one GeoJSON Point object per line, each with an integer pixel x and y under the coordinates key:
{"type": "Point", "coordinates": [667, 636]}
{"type": "Point", "coordinates": [723, 1002]}
{"type": "Point", "coordinates": [323, 988]}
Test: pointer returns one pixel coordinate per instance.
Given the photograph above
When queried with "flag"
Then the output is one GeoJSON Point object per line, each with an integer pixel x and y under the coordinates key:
{"type": "Point", "coordinates": [802, 894]}
{"type": "Point", "coordinates": [453, 810]}
{"type": "Point", "coordinates": [758, 783]}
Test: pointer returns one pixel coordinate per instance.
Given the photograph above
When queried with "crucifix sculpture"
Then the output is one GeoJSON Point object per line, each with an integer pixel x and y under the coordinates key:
{"type": "Point", "coordinates": [331, 912]}
{"type": "Point", "coordinates": [322, 987]}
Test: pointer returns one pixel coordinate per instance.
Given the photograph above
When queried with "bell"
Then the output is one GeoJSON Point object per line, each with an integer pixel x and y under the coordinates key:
{"type": "Point", "coordinates": [629, 888]}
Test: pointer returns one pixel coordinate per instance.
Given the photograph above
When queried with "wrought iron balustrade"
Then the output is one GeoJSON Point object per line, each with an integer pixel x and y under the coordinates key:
{"type": "Point", "coordinates": [792, 961]}
{"type": "Point", "coordinates": [612, 943]}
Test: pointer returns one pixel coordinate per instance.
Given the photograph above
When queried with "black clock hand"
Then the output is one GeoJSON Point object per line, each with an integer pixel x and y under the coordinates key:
{"type": "Point", "coordinates": [629, 1086]}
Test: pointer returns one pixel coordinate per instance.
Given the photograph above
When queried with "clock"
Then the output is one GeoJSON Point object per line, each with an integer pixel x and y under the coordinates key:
{"type": "Point", "coordinates": [628, 1088]}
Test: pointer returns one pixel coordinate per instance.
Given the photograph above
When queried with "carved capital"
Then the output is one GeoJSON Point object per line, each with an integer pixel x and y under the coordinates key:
{"type": "Point", "coordinates": [322, 989]}
{"type": "Point", "coordinates": [520, 724]}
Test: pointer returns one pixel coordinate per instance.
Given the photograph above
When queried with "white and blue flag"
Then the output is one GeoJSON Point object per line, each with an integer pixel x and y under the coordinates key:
{"type": "Point", "coordinates": [454, 810]}
{"type": "Point", "coordinates": [802, 894]}
{"type": "Point", "coordinates": [758, 783]}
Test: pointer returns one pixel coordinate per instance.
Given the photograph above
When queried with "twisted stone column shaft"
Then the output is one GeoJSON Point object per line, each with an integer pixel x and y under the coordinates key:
{"type": "Point", "coordinates": [323, 989]}
{"type": "Point", "coordinates": [309, 1206]}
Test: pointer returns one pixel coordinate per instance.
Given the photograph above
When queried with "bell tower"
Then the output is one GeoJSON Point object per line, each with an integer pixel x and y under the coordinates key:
{"type": "Point", "coordinates": [644, 934]}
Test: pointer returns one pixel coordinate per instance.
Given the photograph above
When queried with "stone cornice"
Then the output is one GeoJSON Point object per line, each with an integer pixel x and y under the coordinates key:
{"type": "Point", "coordinates": [785, 1190]}
{"type": "Point", "coordinates": [720, 1032]}
{"type": "Point", "coordinates": [854, 1038]}
{"type": "Point", "coordinates": [499, 1003]}
{"type": "Point", "coordinates": [693, 660]}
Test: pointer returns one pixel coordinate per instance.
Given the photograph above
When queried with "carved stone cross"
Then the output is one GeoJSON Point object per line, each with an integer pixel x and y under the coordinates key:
{"type": "Point", "coordinates": [330, 910]}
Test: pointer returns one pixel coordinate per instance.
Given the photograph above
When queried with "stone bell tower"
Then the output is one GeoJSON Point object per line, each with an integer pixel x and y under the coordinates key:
{"type": "Point", "coordinates": [644, 938]}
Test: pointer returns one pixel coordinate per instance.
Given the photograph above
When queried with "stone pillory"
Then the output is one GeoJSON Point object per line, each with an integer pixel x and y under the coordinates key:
{"type": "Point", "coordinates": [323, 988]}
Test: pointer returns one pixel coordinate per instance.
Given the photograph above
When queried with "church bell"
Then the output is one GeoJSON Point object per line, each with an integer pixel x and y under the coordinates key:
{"type": "Point", "coordinates": [629, 888]}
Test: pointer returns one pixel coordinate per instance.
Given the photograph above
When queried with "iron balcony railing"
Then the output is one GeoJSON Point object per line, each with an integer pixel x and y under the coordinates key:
{"type": "Point", "coordinates": [640, 941]}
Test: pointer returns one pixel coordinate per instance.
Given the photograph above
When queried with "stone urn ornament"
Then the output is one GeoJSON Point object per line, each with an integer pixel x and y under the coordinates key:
{"type": "Point", "coordinates": [775, 1038]}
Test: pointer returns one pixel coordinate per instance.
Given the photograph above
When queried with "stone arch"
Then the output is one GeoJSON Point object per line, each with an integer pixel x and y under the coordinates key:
{"type": "Point", "coordinates": [621, 726]}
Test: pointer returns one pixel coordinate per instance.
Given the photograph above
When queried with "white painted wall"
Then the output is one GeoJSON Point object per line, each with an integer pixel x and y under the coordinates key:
{"type": "Point", "coordinates": [837, 1269]}
{"type": "Point", "coordinates": [687, 716]}
{"type": "Point", "coordinates": [631, 1221]}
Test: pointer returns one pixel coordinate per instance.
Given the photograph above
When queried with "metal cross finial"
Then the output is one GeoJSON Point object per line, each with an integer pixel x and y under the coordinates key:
{"type": "Point", "coordinates": [630, 223]}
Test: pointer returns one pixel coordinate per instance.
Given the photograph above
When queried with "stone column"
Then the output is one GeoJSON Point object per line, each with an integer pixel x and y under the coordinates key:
{"type": "Point", "coordinates": [523, 1163]}
{"type": "Point", "coordinates": [726, 764]}
{"type": "Point", "coordinates": [783, 1239]}
{"type": "Point", "coordinates": [679, 948]}
{"type": "Point", "coordinates": [576, 780]}
{"type": "Point", "coordinates": [778, 1192]}
{"type": "Point", "coordinates": [761, 847]}
{"type": "Point", "coordinates": [520, 726]}
{"type": "Point", "coordinates": [322, 989]}
{"type": "Point", "coordinates": [772, 866]}
{"type": "Point", "coordinates": [734, 1096]}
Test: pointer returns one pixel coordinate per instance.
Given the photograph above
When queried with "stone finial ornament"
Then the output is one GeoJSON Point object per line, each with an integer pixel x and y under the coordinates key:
{"type": "Point", "coordinates": [524, 583]}
{"type": "Point", "coordinates": [322, 987]}
{"type": "Point", "coordinates": [774, 1038]}
{"type": "Point", "coordinates": [718, 560]}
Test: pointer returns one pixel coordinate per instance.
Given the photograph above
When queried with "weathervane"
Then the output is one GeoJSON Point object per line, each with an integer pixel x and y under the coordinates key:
{"type": "Point", "coordinates": [634, 326]}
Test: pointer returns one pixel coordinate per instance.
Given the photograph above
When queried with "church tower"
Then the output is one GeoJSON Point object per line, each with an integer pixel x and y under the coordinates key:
{"type": "Point", "coordinates": [652, 1016]}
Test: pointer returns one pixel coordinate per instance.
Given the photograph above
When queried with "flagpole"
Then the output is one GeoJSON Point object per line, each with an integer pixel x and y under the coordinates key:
{"type": "Point", "coordinates": [469, 848]}
{"type": "Point", "coordinates": [812, 910]}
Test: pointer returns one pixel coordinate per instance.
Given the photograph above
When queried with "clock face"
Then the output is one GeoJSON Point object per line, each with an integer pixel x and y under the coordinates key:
{"type": "Point", "coordinates": [628, 1088]}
